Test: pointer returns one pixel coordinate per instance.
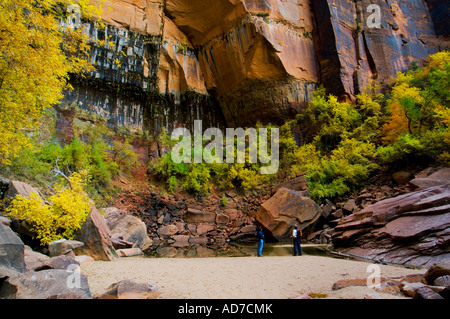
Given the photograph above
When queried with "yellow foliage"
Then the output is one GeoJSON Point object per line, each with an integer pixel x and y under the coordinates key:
{"type": "Point", "coordinates": [37, 55]}
{"type": "Point", "coordinates": [404, 90]}
{"type": "Point", "coordinates": [305, 155]}
{"type": "Point", "coordinates": [69, 209]}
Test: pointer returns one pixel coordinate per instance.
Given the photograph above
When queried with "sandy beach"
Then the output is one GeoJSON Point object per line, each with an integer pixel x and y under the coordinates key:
{"type": "Point", "coordinates": [239, 277]}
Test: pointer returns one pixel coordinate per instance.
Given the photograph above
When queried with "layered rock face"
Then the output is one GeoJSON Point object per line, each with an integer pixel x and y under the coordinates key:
{"type": "Point", "coordinates": [258, 57]}
{"type": "Point", "coordinates": [411, 229]}
{"type": "Point", "coordinates": [352, 51]}
{"type": "Point", "coordinates": [236, 62]}
{"type": "Point", "coordinates": [147, 75]}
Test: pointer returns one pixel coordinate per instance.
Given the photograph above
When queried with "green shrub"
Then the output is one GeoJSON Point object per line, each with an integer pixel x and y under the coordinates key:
{"type": "Point", "coordinates": [172, 184]}
{"type": "Point", "coordinates": [346, 167]}
{"type": "Point", "coordinates": [198, 179]}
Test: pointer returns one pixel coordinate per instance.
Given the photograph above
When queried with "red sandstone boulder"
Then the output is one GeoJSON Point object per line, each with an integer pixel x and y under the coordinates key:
{"type": "Point", "coordinates": [285, 209]}
{"type": "Point", "coordinates": [96, 236]}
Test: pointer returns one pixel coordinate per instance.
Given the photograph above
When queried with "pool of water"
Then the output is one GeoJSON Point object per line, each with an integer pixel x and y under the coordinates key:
{"type": "Point", "coordinates": [234, 250]}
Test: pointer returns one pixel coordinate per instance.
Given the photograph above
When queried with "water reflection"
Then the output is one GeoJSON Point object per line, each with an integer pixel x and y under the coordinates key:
{"type": "Point", "coordinates": [233, 250]}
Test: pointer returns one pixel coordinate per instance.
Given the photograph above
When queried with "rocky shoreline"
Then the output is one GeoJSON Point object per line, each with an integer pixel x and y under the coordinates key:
{"type": "Point", "coordinates": [406, 224]}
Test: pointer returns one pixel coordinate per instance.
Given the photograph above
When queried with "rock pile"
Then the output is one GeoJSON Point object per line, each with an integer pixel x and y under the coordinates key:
{"type": "Point", "coordinates": [27, 274]}
{"type": "Point", "coordinates": [411, 229]}
{"type": "Point", "coordinates": [182, 221]}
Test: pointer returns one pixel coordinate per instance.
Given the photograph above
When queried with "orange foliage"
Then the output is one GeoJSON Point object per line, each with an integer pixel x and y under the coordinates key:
{"type": "Point", "coordinates": [397, 124]}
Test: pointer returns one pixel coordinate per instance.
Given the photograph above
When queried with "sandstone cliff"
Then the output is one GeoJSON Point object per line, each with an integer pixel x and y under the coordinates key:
{"type": "Point", "coordinates": [235, 62]}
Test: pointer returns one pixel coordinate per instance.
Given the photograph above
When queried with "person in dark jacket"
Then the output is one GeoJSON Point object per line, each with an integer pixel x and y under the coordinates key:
{"type": "Point", "coordinates": [260, 237]}
{"type": "Point", "coordinates": [297, 235]}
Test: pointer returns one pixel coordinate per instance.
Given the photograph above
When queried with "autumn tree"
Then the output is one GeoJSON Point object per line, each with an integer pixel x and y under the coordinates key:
{"type": "Point", "coordinates": [38, 52]}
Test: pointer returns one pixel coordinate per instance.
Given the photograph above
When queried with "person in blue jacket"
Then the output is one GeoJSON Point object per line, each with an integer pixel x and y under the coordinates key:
{"type": "Point", "coordinates": [260, 237]}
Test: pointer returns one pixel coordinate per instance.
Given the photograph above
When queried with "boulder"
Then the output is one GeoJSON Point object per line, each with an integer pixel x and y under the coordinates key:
{"type": "Point", "coordinates": [298, 184]}
{"type": "Point", "coordinates": [359, 282]}
{"type": "Point", "coordinates": [441, 268]}
{"type": "Point", "coordinates": [119, 243]}
{"type": "Point", "coordinates": [441, 177]}
{"type": "Point", "coordinates": [131, 228]}
{"type": "Point", "coordinates": [129, 289]}
{"type": "Point", "coordinates": [20, 188]}
{"type": "Point", "coordinates": [233, 214]}
{"type": "Point", "coordinates": [34, 259]}
{"type": "Point", "coordinates": [388, 287]}
{"type": "Point", "coordinates": [426, 293]}
{"type": "Point", "coordinates": [401, 177]}
{"type": "Point", "coordinates": [167, 231]}
{"type": "Point", "coordinates": [443, 281]}
{"type": "Point", "coordinates": [338, 213]}
{"type": "Point", "coordinates": [350, 206]}
{"type": "Point", "coordinates": [248, 229]}
{"type": "Point", "coordinates": [326, 210]}
{"type": "Point", "coordinates": [5, 221]}
{"type": "Point", "coordinates": [204, 228]}
{"type": "Point", "coordinates": [59, 262]}
{"type": "Point", "coordinates": [63, 246]}
{"type": "Point", "coordinates": [222, 219]}
{"type": "Point", "coordinates": [282, 211]}
{"type": "Point", "coordinates": [411, 229]}
{"type": "Point", "coordinates": [96, 236]}
{"type": "Point", "coordinates": [46, 284]}
{"type": "Point", "coordinates": [129, 252]}
{"type": "Point", "coordinates": [11, 250]}
{"type": "Point", "coordinates": [83, 259]}
{"type": "Point", "coordinates": [409, 289]}
{"type": "Point", "coordinates": [5, 273]}
{"type": "Point", "coordinates": [197, 216]}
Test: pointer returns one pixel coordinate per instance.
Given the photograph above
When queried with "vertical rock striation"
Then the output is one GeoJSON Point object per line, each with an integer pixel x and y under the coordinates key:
{"type": "Point", "coordinates": [147, 75]}
{"type": "Point", "coordinates": [351, 52]}
{"type": "Point", "coordinates": [236, 62]}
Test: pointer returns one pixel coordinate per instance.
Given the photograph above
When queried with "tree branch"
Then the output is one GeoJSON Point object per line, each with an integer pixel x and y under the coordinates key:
{"type": "Point", "coordinates": [58, 171]}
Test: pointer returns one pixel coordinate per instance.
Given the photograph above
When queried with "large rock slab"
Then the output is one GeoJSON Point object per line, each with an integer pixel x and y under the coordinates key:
{"type": "Point", "coordinates": [441, 177]}
{"type": "Point", "coordinates": [96, 236]}
{"type": "Point", "coordinates": [45, 284]}
{"type": "Point", "coordinates": [11, 250]}
{"type": "Point", "coordinates": [411, 229]}
{"type": "Point", "coordinates": [285, 209]}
